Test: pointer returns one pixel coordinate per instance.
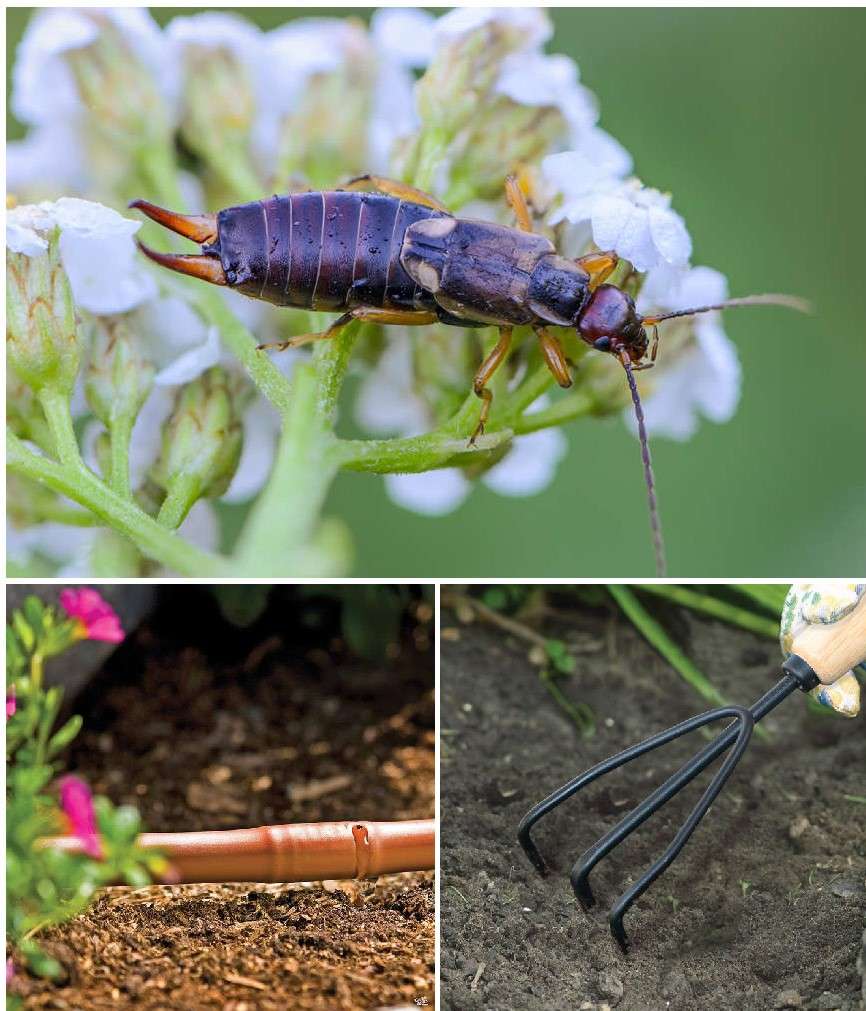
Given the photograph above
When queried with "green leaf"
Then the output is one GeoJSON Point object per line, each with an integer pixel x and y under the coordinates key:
{"type": "Point", "coordinates": [25, 633]}
{"type": "Point", "coordinates": [241, 604]}
{"type": "Point", "coordinates": [562, 660]}
{"type": "Point", "coordinates": [65, 735]}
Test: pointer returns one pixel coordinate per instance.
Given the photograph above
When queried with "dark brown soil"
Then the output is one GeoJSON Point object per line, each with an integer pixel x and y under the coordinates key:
{"type": "Point", "coordinates": [205, 726]}
{"type": "Point", "coordinates": [765, 907]}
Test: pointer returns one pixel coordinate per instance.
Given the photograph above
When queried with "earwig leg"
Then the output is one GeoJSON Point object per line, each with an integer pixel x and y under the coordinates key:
{"type": "Point", "coordinates": [483, 376]}
{"type": "Point", "coordinates": [599, 266]}
{"type": "Point", "coordinates": [393, 317]}
{"type": "Point", "coordinates": [307, 338]}
{"type": "Point", "coordinates": [655, 349]}
{"type": "Point", "coordinates": [642, 366]}
{"type": "Point", "coordinates": [366, 314]}
{"type": "Point", "coordinates": [393, 188]}
{"type": "Point", "coordinates": [554, 357]}
{"type": "Point", "coordinates": [517, 202]}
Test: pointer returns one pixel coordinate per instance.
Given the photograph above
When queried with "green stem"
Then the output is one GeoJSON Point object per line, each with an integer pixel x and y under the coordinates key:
{"type": "Point", "coordinates": [120, 434]}
{"type": "Point", "coordinates": [56, 407]}
{"type": "Point", "coordinates": [577, 405]}
{"type": "Point", "coordinates": [416, 453]}
{"type": "Point", "coordinates": [270, 382]}
{"type": "Point", "coordinates": [236, 171]}
{"type": "Point", "coordinates": [83, 487]}
{"type": "Point", "coordinates": [716, 608]}
{"type": "Point", "coordinates": [184, 492]}
{"type": "Point", "coordinates": [284, 518]}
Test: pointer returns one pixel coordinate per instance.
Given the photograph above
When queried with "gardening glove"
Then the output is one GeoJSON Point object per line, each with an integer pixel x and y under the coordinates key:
{"type": "Point", "coordinates": [823, 603]}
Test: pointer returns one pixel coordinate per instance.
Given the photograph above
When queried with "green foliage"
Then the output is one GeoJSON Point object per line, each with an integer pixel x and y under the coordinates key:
{"type": "Point", "coordinates": [43, 884]}
{"type": "Point", "coordinates": [370, 616]}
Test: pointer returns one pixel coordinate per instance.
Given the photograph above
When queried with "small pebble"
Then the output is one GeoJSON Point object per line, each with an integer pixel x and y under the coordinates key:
{"type": "Point", "coordinates": [788, 999]}
{"type": "Point", "coordinates": [847, 888]}
{"type": "Point", "coordinates": [610, 985]}
{"type": "Point", "coordinates": [798, 826]}
{"type": "Point", "coordinates": [829, 1002]}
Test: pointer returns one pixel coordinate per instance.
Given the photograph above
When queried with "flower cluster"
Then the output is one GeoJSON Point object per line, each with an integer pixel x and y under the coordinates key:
{"type": "Point", "coordinates": [172, 407]}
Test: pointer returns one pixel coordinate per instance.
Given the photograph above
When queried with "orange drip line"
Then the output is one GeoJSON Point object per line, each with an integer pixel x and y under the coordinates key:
{"type": "Point", "coordinates": [311, 852]}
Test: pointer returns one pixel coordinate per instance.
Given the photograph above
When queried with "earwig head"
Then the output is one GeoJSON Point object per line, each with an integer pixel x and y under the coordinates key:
{"type": "Point", "coordinates": [610, 322]}
{"type": "Point", "coordinates": [202, 228]}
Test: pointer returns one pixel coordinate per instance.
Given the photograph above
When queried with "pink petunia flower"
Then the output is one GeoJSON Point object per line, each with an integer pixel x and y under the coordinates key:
{"type": "Point", "coordinates": [96, 618]}
{"type": "Point", "coordinates": [11, 702]}
{"type": "Point", "coordinates": [77, 803]}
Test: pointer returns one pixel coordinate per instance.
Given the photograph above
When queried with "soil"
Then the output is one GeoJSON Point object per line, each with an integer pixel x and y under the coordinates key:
{"type": "Point", "coordinates": [206, 726]}
{"type": "Point", "coordinates": [763, 909]}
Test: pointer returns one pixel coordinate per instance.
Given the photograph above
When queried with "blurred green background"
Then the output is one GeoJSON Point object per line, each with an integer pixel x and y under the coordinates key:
{"type": "Point", "coordinates": [753, 120]}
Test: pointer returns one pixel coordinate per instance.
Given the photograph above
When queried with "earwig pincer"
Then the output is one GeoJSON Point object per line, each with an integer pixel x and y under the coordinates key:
{"type": "Point", "coordinates": [398, 256]}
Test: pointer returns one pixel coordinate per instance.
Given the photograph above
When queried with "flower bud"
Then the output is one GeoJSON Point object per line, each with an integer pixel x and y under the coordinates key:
{"type": "Point", "coordinates": [201, 443]}
{"type": "Point", "coordinates": [324, 97]}
{"type": "Point", "coordinates": [41, 335]}
{"type": "Point", "coordinates": [218, 101]}
{"type": "Point", "coordinates": [118, 378]}
{"type": "Point", "coordinates": [24, 416]}
{"type": "Point", "coordinates": [127, 111]}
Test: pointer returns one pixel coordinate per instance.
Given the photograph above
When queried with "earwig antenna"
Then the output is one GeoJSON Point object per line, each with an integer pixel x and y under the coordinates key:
{"type": "Point", "coordinates": [655, 520]}
{"type": "Point", "coordinates": [788, 301]}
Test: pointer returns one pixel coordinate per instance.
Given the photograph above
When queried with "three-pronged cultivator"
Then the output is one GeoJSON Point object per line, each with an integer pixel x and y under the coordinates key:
{"type": "Point", "coordinates": [821, 655]}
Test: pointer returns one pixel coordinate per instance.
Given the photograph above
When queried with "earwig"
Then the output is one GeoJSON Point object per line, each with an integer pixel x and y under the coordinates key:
{"type": "Point", "coordinates": [399, 257]}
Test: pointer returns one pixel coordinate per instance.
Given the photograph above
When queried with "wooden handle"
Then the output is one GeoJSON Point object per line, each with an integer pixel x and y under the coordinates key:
{"type": "Point", "coordinates": [831, 650]}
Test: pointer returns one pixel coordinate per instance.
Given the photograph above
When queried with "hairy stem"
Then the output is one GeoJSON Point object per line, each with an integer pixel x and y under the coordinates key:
{"type": "Point", "coordinates": [56, 407]}
{"type": "Point", "coordinates": [82, 486]}
{"type": "Point", "coordinates": [181, 497]}
{"type": "Point", "coordinates": [120, 433]}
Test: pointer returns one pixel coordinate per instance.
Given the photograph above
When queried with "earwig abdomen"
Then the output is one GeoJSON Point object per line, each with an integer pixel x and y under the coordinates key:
{"type": "Point", "coordinates": [324, 251]}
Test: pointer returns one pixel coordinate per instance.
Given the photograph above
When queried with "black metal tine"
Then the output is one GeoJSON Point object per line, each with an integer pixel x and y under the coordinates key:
{"type": "Point", "coordinates": [585, 778]}
{"type": "Point", "coordinates": [625, 901]}
{"type": "Point", "coordinates": [789, 683]}
{"type": "Point", "coordinates": [659, 797]}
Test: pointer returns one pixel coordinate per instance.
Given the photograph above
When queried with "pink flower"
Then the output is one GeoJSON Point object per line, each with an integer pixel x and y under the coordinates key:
{"type": "Point", "coordinates": [77, 802]}
{"type": "Point", "coordinates": [11, 702]}
{"type": "Point", "coordinates": [96, 618]}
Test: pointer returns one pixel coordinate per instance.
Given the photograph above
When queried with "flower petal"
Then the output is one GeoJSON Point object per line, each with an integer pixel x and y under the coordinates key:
{"type": "Point", "coordinates": [436, 493]}
{"type": "Point", "coordinates": [530, 465]}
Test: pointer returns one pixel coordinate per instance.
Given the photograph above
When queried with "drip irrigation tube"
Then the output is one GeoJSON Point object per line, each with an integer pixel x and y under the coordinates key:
{"type": "Point", "coordinates": [283, 853]}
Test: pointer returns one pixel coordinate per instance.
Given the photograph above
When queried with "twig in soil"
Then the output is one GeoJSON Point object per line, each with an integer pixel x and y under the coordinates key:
{"type": "Point", "coordinates": [254, 984]}
{"type": "Point", "coordinates": [578, 712]}
{"type": "Point", "coordinates": [473, 986]}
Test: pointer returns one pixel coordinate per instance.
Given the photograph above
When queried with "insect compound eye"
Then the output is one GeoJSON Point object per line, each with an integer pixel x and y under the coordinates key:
{"type": "Point", "coordinates": [602, 344]}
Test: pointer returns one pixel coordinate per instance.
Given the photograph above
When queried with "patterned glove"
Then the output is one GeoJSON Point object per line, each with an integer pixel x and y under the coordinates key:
{"type": "Point", "coordinates": [822, 603]}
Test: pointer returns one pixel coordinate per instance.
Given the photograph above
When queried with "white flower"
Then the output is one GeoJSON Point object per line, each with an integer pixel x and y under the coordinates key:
{"type": "Point", "coordinates": [182, 347]}
{"type": "Point", "coordinates": [638, 223]}
{"type": "Point", "coordinates": [530, 24]}
{"type": "Point", "coordinates": [528, 469]}
{"type": "Point", "coordinates": [96, 250]}
{"type": "Point", "coordinates": [402, 39]}
{"type": "Point", "coordinates": [215, 30]}
{"type": "Point", "coordinates": [387, 404]}
{"type": "Point", "coordinates": [43, 86]}
{"type": "Point", "coordinates": [56, 542]}
{"type": "Point", "coordinates": [49, 160]}
{"type": "Point", "coordinates": [539, 80]}
{"type": "Point", "coordinates": [704, 378]}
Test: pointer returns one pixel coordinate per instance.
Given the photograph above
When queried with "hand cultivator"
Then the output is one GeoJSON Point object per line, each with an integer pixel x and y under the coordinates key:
{"type": "Point", "coordinates": [283, 853]}
{"type": "Point", "coordinates": [820, 655]}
